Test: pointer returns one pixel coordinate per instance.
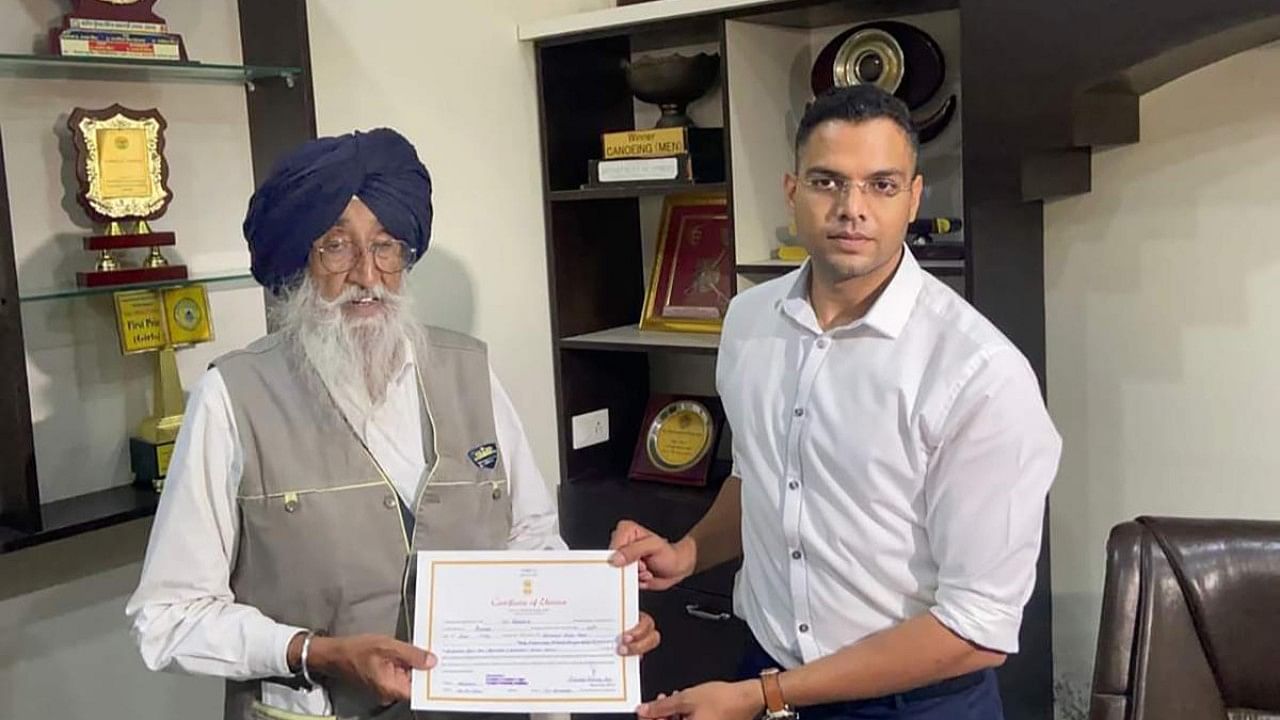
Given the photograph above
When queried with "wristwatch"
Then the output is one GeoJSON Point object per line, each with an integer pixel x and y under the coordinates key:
{"type": "Point", "coordinates": [774, 706]}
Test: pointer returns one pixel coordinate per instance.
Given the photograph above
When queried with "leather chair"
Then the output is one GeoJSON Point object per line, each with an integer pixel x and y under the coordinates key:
{"type": "Point", "coordinates": [1190, 624]}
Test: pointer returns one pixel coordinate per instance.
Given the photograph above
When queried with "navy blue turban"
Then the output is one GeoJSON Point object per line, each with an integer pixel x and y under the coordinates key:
{"type": "Point", "coordinates": [309, 188]}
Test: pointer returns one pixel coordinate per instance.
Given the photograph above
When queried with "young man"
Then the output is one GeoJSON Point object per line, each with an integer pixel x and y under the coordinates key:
{"type": "Point", "coordinates": [892, 456]}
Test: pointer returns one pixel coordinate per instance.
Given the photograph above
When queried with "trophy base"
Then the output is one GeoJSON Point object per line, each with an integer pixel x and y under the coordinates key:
{"type": "Point", "coordinates": [130, 276]}
{"type": "Point", "coordinates": [124, 241]}
{"type": "Point", "coordinates": [149, 462]}
{"type": "Point", "coordinates": [138, 45]}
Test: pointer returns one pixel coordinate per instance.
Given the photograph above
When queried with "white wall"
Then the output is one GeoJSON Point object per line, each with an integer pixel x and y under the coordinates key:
{"type": "Point", "coordinates": [452, 78]}
{"type": "Point", "coordinates": [1162, 292]}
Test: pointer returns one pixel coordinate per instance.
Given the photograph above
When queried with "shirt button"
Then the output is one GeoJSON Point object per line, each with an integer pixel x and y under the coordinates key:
{"type": "Point", "coordinates": [389, 502]}
{"type": "Point", "coordinates": [793, 485]}
{"type": "Point", "coordinates": [799, 412]}
{"type": "Point", "coordinates": [795, 554]}
{"type": "Point", "coordinates": [823, 343]}
{"type": "Point", "coordinates": [804, 627]}
{"type": "Point", "coordinates": [497, 492]}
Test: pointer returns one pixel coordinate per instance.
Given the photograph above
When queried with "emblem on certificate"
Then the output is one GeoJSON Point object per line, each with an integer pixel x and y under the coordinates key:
{"type": "Point", "coordinates": [693, 267]}
{"type": "Point", "coordinates": [160, 321]}
{"type": "Point", "coordinates": [123, 179]}
{"type": "Point", "coordinates": [116, 29]}
{"type": "Point", "coordinates": [678, 439]}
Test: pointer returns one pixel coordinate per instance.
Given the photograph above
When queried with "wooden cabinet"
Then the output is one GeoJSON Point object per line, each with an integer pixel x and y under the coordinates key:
{"type": "Point", "coordinates": [1039, 85]}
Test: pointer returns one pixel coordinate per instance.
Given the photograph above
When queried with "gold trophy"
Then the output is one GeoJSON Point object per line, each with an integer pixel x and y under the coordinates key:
{"type": "Point", "coordinates": [161, 321]}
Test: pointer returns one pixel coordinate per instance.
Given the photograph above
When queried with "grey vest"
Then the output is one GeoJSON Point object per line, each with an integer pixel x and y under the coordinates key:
{"type": "Point", "coordinates": [322, 541]}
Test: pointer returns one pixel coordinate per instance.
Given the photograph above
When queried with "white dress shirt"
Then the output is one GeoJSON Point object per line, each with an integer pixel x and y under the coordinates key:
{"type": "Point", "coordinates": [892, 466]}
{"type": "Point", "coordinates": [184, 616]}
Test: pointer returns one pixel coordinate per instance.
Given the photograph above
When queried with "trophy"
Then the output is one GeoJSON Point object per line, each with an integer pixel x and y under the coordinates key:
{"type": "Point", "coordinates": [160, 321]}
{"type": "Point", "coordinates": [116, 29]}
{"type": "Point", "coordinates": [897, 57]}
{"type": "Point", "coordinates": [678, 439]}
{"type": "Point", "coordinates": [123, 183]}
{"type": "Point", "coordinates": [672, 82]}
{"type": "Point", "coordinates": [674, 151]}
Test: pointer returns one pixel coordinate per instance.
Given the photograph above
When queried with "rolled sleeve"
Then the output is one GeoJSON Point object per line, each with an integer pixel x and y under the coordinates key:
{"type": "Point", "coordinates": [987, 483]}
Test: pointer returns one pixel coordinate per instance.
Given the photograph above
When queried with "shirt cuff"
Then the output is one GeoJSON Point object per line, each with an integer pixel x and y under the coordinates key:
{"type": "Point", "coordinates": [980, 620]}
{"type": "Point", "coordinates": [274, 657]}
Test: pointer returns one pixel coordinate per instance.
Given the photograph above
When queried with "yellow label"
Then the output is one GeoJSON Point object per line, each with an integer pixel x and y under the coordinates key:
{"type": "Point", "coordinates": [164, 453]}
{"type": "Point", "coordinates": [792, 252]}
{"type": "Point", "coordinates": [186, 310]}
{"type": "Point", "coordinates": [681, 439]}
{"type": "Point", "coordinates": [658, 142]}
{"type": "Point", "coordinates": [140, 321]}
{"type": "Point", "coordinates": [124, 169]}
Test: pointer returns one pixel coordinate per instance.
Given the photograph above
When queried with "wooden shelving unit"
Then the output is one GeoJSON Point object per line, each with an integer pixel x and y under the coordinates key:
{"type": "Point", "coordinates": [1038, 88]}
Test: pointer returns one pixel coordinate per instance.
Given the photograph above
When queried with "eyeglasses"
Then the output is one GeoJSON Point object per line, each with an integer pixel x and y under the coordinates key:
{"type": "Point", "coordinates": [340, 255]}
{"type": "Point", "coordinates": [880, 187]}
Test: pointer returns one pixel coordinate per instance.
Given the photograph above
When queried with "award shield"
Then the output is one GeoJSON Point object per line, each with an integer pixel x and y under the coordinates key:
{"type": "Point", "coordinates": [678, 439]}
{"type": "Point", "coordinates": [123, 184]}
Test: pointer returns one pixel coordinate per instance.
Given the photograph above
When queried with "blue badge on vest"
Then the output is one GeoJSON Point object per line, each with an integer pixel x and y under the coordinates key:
{"type": "Point", "coordinates": [485, 456]}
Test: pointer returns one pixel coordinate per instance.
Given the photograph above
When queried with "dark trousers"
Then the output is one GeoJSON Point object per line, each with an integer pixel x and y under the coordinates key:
{"type": "Point", "coordinates": [969, 697]}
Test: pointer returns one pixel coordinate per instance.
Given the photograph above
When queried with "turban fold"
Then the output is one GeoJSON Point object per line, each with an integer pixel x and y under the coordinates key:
{"type": "Point", "coordinates": [309, 188]}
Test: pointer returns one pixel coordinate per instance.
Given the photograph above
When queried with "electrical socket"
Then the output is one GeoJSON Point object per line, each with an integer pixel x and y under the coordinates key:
{"type": "Point", "coordinates": [590, 428]}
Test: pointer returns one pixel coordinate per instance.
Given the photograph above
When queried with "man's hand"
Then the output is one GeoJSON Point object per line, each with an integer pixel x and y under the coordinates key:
{"type": "Point", "coordinates": [640, 639]}
{"type": "Point", "coordinates": [378, 663]}
{"type": "Point", "coordinates": [661, 563]}
{"type": "Point", "coordinates": [708, 701]}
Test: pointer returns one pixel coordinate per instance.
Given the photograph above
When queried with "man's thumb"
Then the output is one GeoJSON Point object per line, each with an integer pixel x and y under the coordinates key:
{"type": "Point", "coordinates": [413, 656]}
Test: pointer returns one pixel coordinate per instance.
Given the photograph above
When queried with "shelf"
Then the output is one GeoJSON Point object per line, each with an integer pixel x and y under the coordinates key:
{"type": "Point", "coordinates": [629, 338]}
{"type": "Point", "coordinates": [83, 513]}
{"type": "Point", "coordinates": [640, 13]}
{"type": "Point", "coordinates": [629, 191]}
{"type": "Point", "coordinates": [223, 279]}
{"type": "Point", "coordinates": [56, 66]}
{"type": "Point", "coordinates": [768, 267]}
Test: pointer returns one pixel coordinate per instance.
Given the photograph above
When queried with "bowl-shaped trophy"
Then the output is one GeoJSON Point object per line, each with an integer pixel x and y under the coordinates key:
{"type": "Point", "coordinates": [672, 82]}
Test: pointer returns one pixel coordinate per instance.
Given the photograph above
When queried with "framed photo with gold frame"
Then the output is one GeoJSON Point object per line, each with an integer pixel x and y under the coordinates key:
{"type": "Point", "coordinates": [678, 439]}
{"type": "Point", "coordinates": [693, 267]}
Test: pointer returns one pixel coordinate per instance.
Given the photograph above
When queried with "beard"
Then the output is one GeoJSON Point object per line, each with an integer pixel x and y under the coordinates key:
{"type": "Point", "coordinates": [361, 355]}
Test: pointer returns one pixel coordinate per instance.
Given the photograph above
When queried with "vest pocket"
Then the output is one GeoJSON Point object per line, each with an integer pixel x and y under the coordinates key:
{"type": "Point", "coordinates": [463, 510]}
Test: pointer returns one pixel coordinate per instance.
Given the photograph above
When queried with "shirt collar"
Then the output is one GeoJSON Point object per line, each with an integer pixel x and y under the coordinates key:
{"type": "Point", "coordinates": [888, 314]}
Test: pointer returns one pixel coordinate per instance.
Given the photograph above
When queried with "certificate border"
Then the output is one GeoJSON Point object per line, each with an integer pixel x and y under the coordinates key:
{"type": "Point", "coordinates": [431, 608]}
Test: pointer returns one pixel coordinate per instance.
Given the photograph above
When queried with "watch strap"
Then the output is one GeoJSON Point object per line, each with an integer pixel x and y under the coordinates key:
{"type": "Point", "coordinates": [772, 691]}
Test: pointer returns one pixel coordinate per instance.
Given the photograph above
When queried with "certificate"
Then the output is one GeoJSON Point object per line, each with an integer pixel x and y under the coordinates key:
{"type": "Point", "coordinates": [525, 632]}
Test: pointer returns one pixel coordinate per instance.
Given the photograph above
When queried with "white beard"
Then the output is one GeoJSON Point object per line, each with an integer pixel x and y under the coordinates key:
{"type": "Point", "coordinates": [361, 355]}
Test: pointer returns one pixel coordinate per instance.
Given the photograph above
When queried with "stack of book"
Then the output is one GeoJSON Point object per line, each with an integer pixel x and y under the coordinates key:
{"type": "Point", "coordinates": [91, 37]}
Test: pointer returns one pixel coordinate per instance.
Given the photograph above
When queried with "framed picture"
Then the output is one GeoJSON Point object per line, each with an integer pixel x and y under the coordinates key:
{"type": "Point", "coordinates": [693, 266]}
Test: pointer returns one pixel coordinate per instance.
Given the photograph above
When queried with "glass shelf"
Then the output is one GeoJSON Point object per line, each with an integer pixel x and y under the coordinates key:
{"type": "Point", "coordinates": [224, 279]}
{"type": "Point", "coordinates": [56, 66]}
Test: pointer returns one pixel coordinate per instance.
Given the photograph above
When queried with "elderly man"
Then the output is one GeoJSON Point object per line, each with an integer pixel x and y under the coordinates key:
{"type": "Point", "coordinates": [313, 462]}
